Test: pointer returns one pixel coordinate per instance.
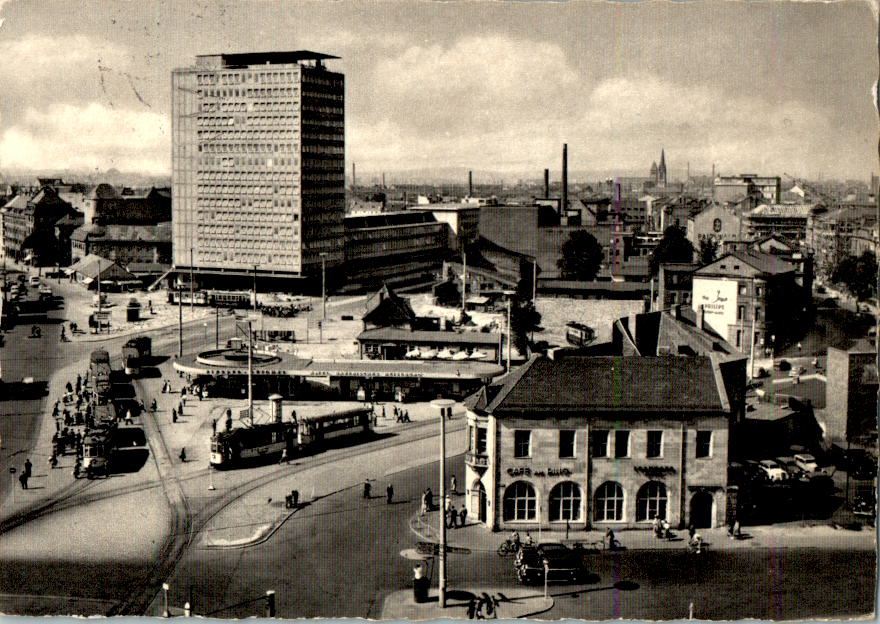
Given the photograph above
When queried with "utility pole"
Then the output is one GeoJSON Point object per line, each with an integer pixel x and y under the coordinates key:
{"type": "Point", "coordinates": [445, 406]}
{"type": "Point", "coordinates": [509, 297]}
{"type": "Point", "coordinates": [255, 289]}
{"type": "Point", "coordinates": [179, 319]}
{"type": "Point", "coordinates": [250, 373]}
{"type": "Point", "coordinates": [463, 281]}
{"type": "Point", "coordinates": [216, 327]}
{"type": "Point", "coordinates": [323, 286]}
{"type": "Point", "coordinates": [98, 277]}
{"type": "Point", "coordinates": [192, 297]}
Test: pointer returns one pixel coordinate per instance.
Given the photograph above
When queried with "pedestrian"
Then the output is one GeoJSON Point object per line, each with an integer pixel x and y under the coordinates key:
{"type": "Point", "coordinates": [23, 479]}
{"type": "Point", "coordinates": [453, 517]}
{"type": "Point", "coordinates": [367, 488]}
{"type": "Point", "coordinates": [691, 531]}
{"type": "Point", "coordinates": [154, 405]}
{"type": "Point", "coordinates": [57, 425]}
{"type": "Point", "coordinates": [389, 494]}
{"type": "Point", "coordinates": [658, 527]}
{"type": "Point", "coordinates": [609, 537]}
{"type": "Point", "coordinates": [472, 608]}
{"type": "Point", "coordinates": [429, 499]}
{"type": "Point", "coordinates": [180, 409]}
{"type": "Point", "coordinates": [182, 455]}
{"type": "Point", "coordinates": [214, 426]}
{"type": "Point", "coordinates": [453, 484]}
{"type": "Point", "coordinates": [737, 533]}
{"type": "Point", "coordinates": [530, 541]}
{"type": "Point", "coordinates": [383, 412]}
{"type": "Point", "coordinates": [284, 458]}
{"type": "Point", "coordinates": [69, 387]}
{"type": "Point", "coordinates": [28, 468]}
{"type": "Point", "coordinates": [294, 495]}
{"type": "Point", "coordinates": [128, 419]}
{"type": "Point", "coordinates": [462, 517]}
{"type": "Point", "coordinates": [173, 415]}
{"type": "Point", "coordinates": [800, 347]}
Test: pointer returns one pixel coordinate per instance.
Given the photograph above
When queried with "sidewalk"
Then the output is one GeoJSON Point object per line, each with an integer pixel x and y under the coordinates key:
{"type": "Point", "coordinates": [513, 602]}
{"type": "Point", "coordinates": [477, 537]}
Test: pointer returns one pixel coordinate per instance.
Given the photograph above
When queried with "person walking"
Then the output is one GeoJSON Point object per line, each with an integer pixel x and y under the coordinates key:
{"type": "Point", "coordinates": [183, 455]}
{"type": "Point", "coordinates": [173, 415]}
{"type": "Point", "coordinates": [453, 517]}
{"type": "Point", "coordinates": [367, 488]}
{"type": "Point", "coordinates": [28, 468]}
{"type": "Point", "coordinates": [284, 457]}
{"type": "Point", "coordinates": [389, 494]}
{"type": "Point", "coordinates": [462, 517]}
{"type": "Point", "coordinates": [453, 485]}
{"type": "Point", "coordinates": [23, 479]}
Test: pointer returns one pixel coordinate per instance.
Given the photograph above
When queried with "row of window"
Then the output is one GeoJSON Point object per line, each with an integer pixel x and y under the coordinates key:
{"type": "Point", "coordinates": [289, 132]}
{"type": "Point", "coordinates": [244, 189]}
{"type": "Point", "coordinates": [248, 207]}
{"type": "Point", "coordinates": [245, 148]}
{"type": "Point", "coordinates": [520, 503]}
{"type": "Point", "coordinates": [239, 161]}
{"type": "Point", "coordinates": [207, 175]}
{"type": "Point", "coordinates": [604, 444]}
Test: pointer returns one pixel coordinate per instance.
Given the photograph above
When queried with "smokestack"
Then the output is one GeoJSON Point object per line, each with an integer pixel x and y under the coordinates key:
{"type": "Point", "coordinates": [383, 179]}
{"type": "Point", "coordinates": [470, 183]}
{"type": "Point", "coordinates": [546, 184]}
{"type": "Point", "coordinates": [564, 204]}
{"type": "Point", "coordinates": [353, 175]}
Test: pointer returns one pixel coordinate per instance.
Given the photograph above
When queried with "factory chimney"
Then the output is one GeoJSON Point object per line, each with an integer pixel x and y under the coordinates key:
{"type": "Point", "coordinates": [353, 176]}
{"type": "Point", "coordinates": [470, 183]}
{"type": "Point", "coordinates": [563, 206]}
{"type": "Point", "coordinates": [546, 184]}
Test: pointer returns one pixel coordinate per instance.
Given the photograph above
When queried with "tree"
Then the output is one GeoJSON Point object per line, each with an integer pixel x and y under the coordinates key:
{"type": "Point", "coordinates": [708, 250]}
{"type": "Point", "coordinates": [524, 318]}
{"type": "Point", "coordinates": [673, 247]}
{"type": "Point", "coordinates": [858, 274]}
{"type": "Point", "coordinates": [581, 256]}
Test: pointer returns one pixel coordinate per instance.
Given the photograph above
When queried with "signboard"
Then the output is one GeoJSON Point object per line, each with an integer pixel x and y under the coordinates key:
{"type": "Point", "coordinates": [719, 301]}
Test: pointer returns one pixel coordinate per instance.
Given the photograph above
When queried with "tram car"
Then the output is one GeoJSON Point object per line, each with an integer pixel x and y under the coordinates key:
{"type": "Point", "coordinates": [212, 298]}
{"type": "Point", "coordinates": [578, 334]}
{"type": "Point", "coordinates": [99, 367]}
{"type": "Point", "coordinates": [97, 448]}
{"type": "Point", "coordinates": [238, 446]}
{"type": "Point", "coordinates": [242, 444]}
{"type": "Point", "coordinates": [134, 353]}
{"type": "Point", "coordinates": [104, 414]}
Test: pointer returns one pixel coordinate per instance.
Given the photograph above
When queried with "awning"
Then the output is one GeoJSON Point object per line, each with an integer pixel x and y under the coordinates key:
{"type": "Point", "coordinates": [478, 300]}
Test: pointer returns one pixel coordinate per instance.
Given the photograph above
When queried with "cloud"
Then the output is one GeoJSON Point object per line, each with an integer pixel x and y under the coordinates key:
{"type": "Point", "coordinates": [93, 136]}
{"type": "Point", "coordinates": [35, 58]}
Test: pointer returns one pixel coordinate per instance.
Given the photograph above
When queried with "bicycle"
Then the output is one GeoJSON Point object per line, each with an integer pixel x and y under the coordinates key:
{"type": "Point", "coordinates": [508, 547]}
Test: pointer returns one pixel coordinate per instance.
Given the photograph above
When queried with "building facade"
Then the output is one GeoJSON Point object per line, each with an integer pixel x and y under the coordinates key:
{"type": "Point", "coordinates": [123, 243]}
{"type": "Point", "coordinates": [582, 442]}
{"type": "Point", "coordinates": [851, 394]}
{"type": "Point", "coordinates": [791, 221]}
{"type": "Point", "coordinates": [258, 164]}
{"type": "Point", "coordinates": [726, 188]}
{"type": "Point", "coordinates": [29, 226]}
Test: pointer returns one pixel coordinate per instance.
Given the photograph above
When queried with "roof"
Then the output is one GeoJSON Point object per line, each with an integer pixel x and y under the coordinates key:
{"type": "Point", "coordinates": [159, 233]}
{"type": "Point", "coordinates": [612, 383]}
{"type": "Point", "coordinates": [19, 201]}
{"type": "Point", "coordinates": [767, 263]}
{"type": "Point", "coordinates": [386, 306]}
{"type": "Point", "coordinates": [785, 210]}
{"type": "Point", "coordinates": [92, 266]}
{"type": "Point", "coordinates": [147, 267]}
{"type": "Point", "coordinates": [272, 58]}
{"type": "Point", "coordinates": [392, 334]}
{"type": "Point", "coordinates": [445, 207]}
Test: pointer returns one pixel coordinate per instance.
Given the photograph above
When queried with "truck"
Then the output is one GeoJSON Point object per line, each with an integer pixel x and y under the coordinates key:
{"type": "Point", "coordinates": [134, 354]}
{"type": "Point", "coordinates": [99, 369]}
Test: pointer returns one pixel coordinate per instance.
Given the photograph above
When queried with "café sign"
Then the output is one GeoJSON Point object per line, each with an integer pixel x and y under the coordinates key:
{"type": "Point", "coordinates": [525, 471]}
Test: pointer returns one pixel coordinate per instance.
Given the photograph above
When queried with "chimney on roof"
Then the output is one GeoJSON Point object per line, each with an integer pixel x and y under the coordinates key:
{"type": "Point", "coordinates": [470, 183]}
{"type": "Point", "coordinates": [563, 205]}
{"type": "Point", "coordinates": [546, 184]}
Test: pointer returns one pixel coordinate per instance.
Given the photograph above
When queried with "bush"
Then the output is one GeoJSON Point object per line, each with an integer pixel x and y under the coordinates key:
{"type": "Point", "coordinates": [785, 366]}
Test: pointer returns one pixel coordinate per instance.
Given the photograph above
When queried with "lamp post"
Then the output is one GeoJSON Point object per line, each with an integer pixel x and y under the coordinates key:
{"type": "Point", "coordinates": [445, 407]}
{"type": "Point", "coordinates": [205, 332]}
{"type": "Point", "coordinates": [323, 286]}
{"type": "Point", "coordinates": [509, 294]}
{"type": "Point", "coordinates": [165, 588]}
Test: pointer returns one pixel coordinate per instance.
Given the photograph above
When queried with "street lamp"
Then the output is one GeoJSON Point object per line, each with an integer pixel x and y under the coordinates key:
{"type": "Point", "coordinates": [509, 295]}
{"type": "Point", "coordinates": [445, 407]}
{"type": "Point", "coordinates": [165, 588]}
{"type": "Point", "coordinates": [205, 333]}
{"type": "Point", "coordinates": [323, 286]}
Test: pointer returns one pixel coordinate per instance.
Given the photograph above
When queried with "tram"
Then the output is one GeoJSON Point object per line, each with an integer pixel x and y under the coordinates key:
{"type": "Point", "coordinates": [234, 447]}
{"type": "Point", "coordinates": [99, 367]}
{"type": "Point", "coordinates": [97, 447]}
{"type": "Point", "coordinates": [212, 298]}
{"type": "Point", "coordinates": [578, 334]}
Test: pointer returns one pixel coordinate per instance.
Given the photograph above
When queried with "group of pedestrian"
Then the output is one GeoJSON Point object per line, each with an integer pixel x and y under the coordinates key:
{"type": "Point", "coordinates": [427, 502]}
{"type": "Point", "coordinates": [26, 473]}
{"type": "Point", "coordinates": [291, 501]}
{"type": "Point", "coordinates": [456, 517]}
{"type": "Point", "coordinates": [400, 415]}
{"type": "Point", "coordinates": [484, 607]}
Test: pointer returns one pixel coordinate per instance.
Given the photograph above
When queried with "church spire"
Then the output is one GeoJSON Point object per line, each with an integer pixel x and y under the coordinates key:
{"type": "Point", "coordinates": [661, 170]}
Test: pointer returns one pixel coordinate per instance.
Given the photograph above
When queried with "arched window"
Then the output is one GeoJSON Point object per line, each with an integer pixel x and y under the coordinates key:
{"type": "Point", "coordinates": [519, 501]}
{"type": "Point", "coordinates": [565, 501]}
{"type": "Point", "coordinates": [609, 502]}
{"type": "Point", "coordinates": [651, 501]}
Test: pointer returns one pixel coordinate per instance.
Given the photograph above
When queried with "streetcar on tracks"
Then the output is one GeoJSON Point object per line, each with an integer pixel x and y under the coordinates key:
{"type": "Point", "coordinates": [99, 367]}
{"type": "Point", "coordinates": [243, 445]}
{"type": "Point", "coordinates": [97, 449]}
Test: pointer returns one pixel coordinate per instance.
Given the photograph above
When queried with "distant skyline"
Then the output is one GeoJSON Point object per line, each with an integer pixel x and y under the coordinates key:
{"type": "Point", "coordinates": [765, 87]}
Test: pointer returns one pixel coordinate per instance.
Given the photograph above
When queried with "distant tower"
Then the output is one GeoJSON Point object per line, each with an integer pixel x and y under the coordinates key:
{"type": "Point", "coordinates": [654, 172]}
{"type": "Point", "coordinates": [661, 169]}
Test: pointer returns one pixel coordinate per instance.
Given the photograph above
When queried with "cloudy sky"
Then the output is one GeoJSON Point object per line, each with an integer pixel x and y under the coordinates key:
{"type": "Point", "coordinates": [497, 86]}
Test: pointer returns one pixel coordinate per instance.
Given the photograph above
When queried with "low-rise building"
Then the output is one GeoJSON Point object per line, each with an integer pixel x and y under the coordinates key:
{"type": "Point", "coordinates": [851, 394]}
{"type": "Point", "coordinates": [463, 220]}
{"type": "Point", "coordinates": [751, 298]}
{"type": "Point", "coordinates": [29, 226]}
{"type": "Point", "coordinates": [730, 187]}
{"type": "Point", "coordinates": [791, 221]}
{"type": "Point", "coordinates": [391, 343]}
{"type": "Point", "coordinates": [123, 243]}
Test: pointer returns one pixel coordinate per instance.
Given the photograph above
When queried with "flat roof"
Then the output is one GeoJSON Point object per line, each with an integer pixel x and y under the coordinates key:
{"type": "Point", "coordinates": [438, 337]}
{"type": "Point", "coordinates": [272, 58]}
{"type": "Point", "coordinates": [291, 366]}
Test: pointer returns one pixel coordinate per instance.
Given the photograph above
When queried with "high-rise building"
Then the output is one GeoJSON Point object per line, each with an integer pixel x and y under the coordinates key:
{"type": "Point", "coordinates": [258, 165]}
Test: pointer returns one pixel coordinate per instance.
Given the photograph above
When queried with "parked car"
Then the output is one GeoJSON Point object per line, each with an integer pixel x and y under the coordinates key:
{"type": "Point", "coordinates": [806, 462]}
{"type": "Point", "coordinates": [772, 470]}
{"type": "Point", "coordinates": [34, 280]}
{"type": "Point", "coordinates": [562, 563]}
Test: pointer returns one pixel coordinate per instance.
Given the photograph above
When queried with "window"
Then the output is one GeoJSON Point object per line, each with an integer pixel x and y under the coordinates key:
{"type": "Point", "coordinates": [758, 291]}
{"type": "Point", "coordinates": [651, 501]}
{"type": "Point", "coordinates": [567, 442]}
{"type": "Point", "coordinates": [522, 443]}
{"type": "Point", "coordinates": [481, 440]}
{"type": "Point", "coordinates": [565, 501]}
{"type": "Point", "coordinates": [704, 444]}
{"type": "Point", "coordinates": [609, 502]}
{"type": "Point", "coordinates": [519, 501]}
{"type": "Point", "coordinates": [599, 443]}
{"type": "Point", "coordinates": [739, 338]}
{"type": "Point", "coordinates": [757, 313]}
{"type": "Point", "coordinates": [655, 444]}
{"type": "Point", "coordinates": [621, 443]}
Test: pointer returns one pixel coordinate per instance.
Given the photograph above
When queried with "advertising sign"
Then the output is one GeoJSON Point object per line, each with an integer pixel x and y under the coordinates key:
{"type": "Point", "coordinates": [718, 298]}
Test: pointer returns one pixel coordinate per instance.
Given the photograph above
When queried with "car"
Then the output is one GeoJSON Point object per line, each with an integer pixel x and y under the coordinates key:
{"type": "Point", "coordinates": [562, 564]}
{"type": "Point", "coordinates": [806, 462]}
{"type": "Point", "coordinates": [772, 470]}
{"type": "Point", "coordinates": [34, 280]}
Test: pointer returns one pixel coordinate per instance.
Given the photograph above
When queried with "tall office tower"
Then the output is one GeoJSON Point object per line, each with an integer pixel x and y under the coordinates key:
{"type": "Point", "coordinates": [258, 165]}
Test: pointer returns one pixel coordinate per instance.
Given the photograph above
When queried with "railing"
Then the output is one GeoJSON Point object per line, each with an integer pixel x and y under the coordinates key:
{"type": "Point", "coordinates": [477, 460]}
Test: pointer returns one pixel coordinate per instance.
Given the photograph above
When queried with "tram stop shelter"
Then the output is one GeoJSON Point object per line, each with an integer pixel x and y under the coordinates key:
{"type": "Point", "coordinates": [226, 371]}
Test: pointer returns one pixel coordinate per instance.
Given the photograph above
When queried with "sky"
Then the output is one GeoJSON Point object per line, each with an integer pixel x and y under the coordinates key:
{"type": "Point", "coordinates": [495, 86]}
